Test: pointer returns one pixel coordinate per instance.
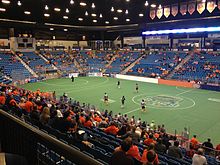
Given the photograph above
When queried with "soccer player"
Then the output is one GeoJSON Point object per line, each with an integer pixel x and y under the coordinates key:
{"type": "Point", "coordinates": [106, 98]}
{"type": "Point", "coordinates": [136, 87]}
{"type": "Point", "coordinates": [143, 105]}
{"type": "Point", "coordinates": [118, 84]}
{"type": "Point", "coordinates": [72, 78]}
{"type": "Point", "coordinates": [122, 101]}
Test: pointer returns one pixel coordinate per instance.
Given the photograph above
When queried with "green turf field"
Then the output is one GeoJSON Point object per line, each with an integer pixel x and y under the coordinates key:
{"type": "Point", "coordinates": [175, 107]}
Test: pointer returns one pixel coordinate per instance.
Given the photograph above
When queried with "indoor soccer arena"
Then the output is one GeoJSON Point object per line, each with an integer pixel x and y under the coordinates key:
{"type": "Point", "coordinates": [109, 82]}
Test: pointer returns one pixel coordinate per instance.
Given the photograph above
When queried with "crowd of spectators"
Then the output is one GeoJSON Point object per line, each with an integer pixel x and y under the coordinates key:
{"type": "Point", "coordinates": [67, 115]}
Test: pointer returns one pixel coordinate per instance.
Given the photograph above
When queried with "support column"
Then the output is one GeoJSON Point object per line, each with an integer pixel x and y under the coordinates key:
{"type": "Point", "coordinates": [144, 42]}
{"type": "Point", "coordinates": [122, 40]}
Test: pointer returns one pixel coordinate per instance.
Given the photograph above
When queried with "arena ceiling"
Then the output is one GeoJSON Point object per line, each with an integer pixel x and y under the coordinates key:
{"type": "Point", "coordinates": [89, 15]}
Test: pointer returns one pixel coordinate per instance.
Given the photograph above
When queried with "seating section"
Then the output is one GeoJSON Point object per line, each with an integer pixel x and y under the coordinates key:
{"type": "Point", "coordinates": [122, 60]}
{"type": "Point", "coordinates": [99, 144]}
{"type": "Point", "coordinates": [62, 60]}
{"type": "Point", "coordinates": [204, 67]}
{"type": "Point", "coordinates": [35, 62]}
{"type": "Point", "coordinates": [157, 64]}
{"type": "Point", "coordinates": [12, 67]}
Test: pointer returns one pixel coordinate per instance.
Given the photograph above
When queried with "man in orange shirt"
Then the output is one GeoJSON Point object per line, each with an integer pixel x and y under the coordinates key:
{"type": "Point", "coordinates": [145, 157]}
{"type": "Point", "coordinates": [112, 129]}
{"type": "Point", "coordinates": [88, 122]}
{"type": "Point", "coordinates": [149, 140]}
{"type": "Point", "coordinates": [2, 99]}
{"type": "Point", "coordinates": [29, 105]}
{"type": "Point", "coordinates": [194, 142]}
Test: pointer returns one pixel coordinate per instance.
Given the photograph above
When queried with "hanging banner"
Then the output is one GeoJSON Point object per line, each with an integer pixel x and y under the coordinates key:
{"type": "Point", "coordinates": [191, 7]}
{"type": "Point", "coordinates": [211, 4]}
{"type": "Point", "coordinates": [152, 14]}
{"type": "Point", "coordinates": [219, 4]}
{"type": "Point", "coordinates": [183, 8]}
{"type": "Point", "coordinates": [166, 11]}
{"type": "Point", "coordinates": [159, 12]}
{"type": "Point", "coordinates": [174, 10]}
{"type": "Point", "coordinates": [200, 6]}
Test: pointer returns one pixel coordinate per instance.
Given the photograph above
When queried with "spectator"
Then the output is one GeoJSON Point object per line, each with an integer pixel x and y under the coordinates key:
{"type": "Point", "coordinates": [45, 115]}
{"type": "Point", "coordinates": [149, 140]}
{"type": "Point", "coordinates": [145, 156]}
{"type": "Point", "coordinates": [120, 157]}
{"type": "Point", "coordinates": [199, 159]}
{"type": "Point", "coordinates": [175, 151]}
{"type": "Point", "coordinates": [112, 129]}
{"type": "Point", "coordinates": [194, 142]}
{"type": "Point", "coordinates": [208, 146]}
{"type": "Point", "coordinates": [160, 147]}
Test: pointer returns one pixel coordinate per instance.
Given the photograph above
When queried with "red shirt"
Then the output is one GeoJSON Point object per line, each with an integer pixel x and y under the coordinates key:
{"type": "Point", "coordinates": [2, 100]}
{"type": "Point", "coordinates": [134, 152]}
{"type": "Point", "coordinates": [112, 129]}
{"type": "Point", "coordinates": [88, 124]}
{"type": "Point", "coordinates": [144, 158]}
{"type": "Point", "coordinates": [29, 106]}
{"type": "Point", "coordinates": [82, 119]}
{"type": "Point", "coordinates": [149, 141]}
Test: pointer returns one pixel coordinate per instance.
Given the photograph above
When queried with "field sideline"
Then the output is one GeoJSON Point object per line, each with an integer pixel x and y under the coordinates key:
{"type": "Point", "coordinates": [173, 106]}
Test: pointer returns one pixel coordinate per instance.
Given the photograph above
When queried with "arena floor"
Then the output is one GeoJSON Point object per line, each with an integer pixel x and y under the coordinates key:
{"type": "Point", "coordinates": [198, 110]}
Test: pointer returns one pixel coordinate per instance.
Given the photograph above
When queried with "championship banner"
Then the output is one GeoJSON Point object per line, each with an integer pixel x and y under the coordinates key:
{"type": "Point", "coordinates": [200, 6]}
{"type": "Point", "coordinates": [159, 12]}
{"type": "Point", "coordinates": [152, 14]}
{"type": "Point", "coordinates": [166, 11]}
{"type": "Point", "coordinates": [183, 8]}
{"type": "Point", "coordinates": [219, 4]}
{"type": "Point", "coordinates": [174, 10]}
{"type": "Point", "coordinates": [191, 7]}
{"type": "Point", "coordinates": [211, 4]}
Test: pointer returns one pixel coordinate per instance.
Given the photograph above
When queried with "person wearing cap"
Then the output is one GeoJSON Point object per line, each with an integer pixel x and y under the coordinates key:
{"type": "Point", "coordinates": [198, 158]}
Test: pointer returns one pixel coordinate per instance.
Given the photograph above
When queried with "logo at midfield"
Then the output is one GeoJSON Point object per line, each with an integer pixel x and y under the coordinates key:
{"type": "Point", "coordinates": [163, 101]}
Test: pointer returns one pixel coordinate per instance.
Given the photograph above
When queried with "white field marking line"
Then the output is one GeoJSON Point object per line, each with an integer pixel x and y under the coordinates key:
{"type": "Point", "coordinates": [184, 92]}
{"type": "Point", "coordinates": [86, 82]}
{"type": "Point", "coordinates": [131, 111]}
{"type": "Point", "coordinates": [199, 91]}
{"type": "Point", "coordinates": [109, 100]}
{"type": "Point", "coordinates": [90, 87]}
{"type": "Point", "coordinates": [214, 99]}
{"type": "Point", "coordinates": [162, 107]}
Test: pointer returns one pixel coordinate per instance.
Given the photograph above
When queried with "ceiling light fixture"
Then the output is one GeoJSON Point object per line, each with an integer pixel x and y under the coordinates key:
{"type": "Point", "coordinates": [86, 13]}
{"type": "Point", "coordinates": [2, 9]}
{"type": "Point", "coordinates": [115, 18]}
{"type": "Point", "coordinates": [65, 17]}
{"type": "Point", "coordinates": [127, 0]}
{"type": "Point", "coordinates": [141, 15]}
{"type": "Point", "coordinates": [65, 30]}
{"type": "Point", "coordinates": [19, 3]}
{"type": "Point", "coordinates": [80, 19]}
{"type": "Point", "coordinates": [6, 1]}
{"type": "Point", "coordinates": [119, 11]}
{"type": "Point", "coordinates": [112, 9]}
{"type": "Point", "coordinates": [93, 15]}
{"type": "Point", "coordinates": [51, 29]}
{"type": "Point", "coordinates": [27, 12]}
{"type": "Point", "coordinates": [146, 3]}
{"type": "Point", "coordinates": [46, 7]}
{"type": "Point", "coordinates": [106, 22]}
{"type": "Point", "coordinates": [127, 20]}
{"type": "Point", "coordinates": [159, 6]}
{"type": "Point", "coordinates": [153, 5]}
{"type": "Point", "coordinates": [46, 15]}
{"type": "Point", "coordinates": [82, 4]}
{"type": "Point", "coordinates": [57, 9]}
{"type": "Point", "coordinates": [126, 11]}
{"type": "Point", "coordinates": [93, 5]}
{"type": "Point", "coordinates": [94, 20]}
{"type": "Point", "coordinates": [100, 15]}
{"type": "Point", "coordinates": [67, 10]}
{"type": "Point", "coordinates": [71, 2]}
